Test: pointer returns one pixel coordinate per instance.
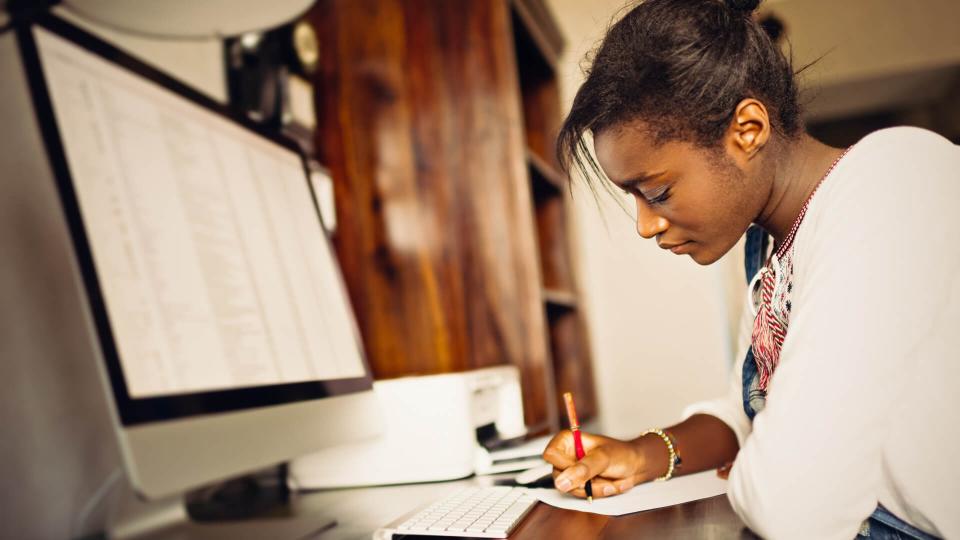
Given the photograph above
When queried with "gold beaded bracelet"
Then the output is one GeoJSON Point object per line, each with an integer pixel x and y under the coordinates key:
{"type": "Point", "coordinates": [674, 459]}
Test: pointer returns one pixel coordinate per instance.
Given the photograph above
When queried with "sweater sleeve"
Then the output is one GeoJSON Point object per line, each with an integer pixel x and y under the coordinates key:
{"type": "Point", "coordinates": [865, 288]}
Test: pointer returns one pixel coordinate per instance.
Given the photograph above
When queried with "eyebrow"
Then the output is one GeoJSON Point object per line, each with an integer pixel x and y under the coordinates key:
{"type": "Point", "coordinates": [639, 179]}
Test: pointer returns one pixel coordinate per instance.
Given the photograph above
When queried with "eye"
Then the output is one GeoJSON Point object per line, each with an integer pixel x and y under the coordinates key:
{"type": "Point", "coordinates": [659, 197]}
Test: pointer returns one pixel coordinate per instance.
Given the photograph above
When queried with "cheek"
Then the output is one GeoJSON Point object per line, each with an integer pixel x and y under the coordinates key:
{"type": "Point", "coordinates": [730, 221]}
{"type": "Point", "coordinates": [706, 212]}
{"type": "Point", "coordinates": [715, 216]}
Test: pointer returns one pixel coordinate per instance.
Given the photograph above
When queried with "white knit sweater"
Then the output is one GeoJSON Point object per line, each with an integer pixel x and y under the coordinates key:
{"type": "Point", "coordinates": [865, 404]}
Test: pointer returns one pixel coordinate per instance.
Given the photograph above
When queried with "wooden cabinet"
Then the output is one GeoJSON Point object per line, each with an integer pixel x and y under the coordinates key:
{"type": "Point", "coordinates": [441, 226]}
{"type": "Point", "coordinates": [538, 45]}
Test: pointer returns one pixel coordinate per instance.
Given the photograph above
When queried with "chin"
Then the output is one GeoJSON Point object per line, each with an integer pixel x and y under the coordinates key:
{"type": "Point", "coordinates": [707, 254]}
{"type": "Point", "coordinates": [704, 257]}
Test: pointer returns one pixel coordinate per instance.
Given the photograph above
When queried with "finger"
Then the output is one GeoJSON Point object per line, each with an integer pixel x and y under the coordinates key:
{"type": "Point", "coordinates": [600, 488]}
{"type": "Point", "coordinates": [604, 487]}
{"type": "Point", "coordinates": [559, 451]}
{"type": "Point", "coordinates": [591, 441]}
{"type": "Point", "coordinates": [576, 475]}
{"type": "Point", "coordinates": [581, 491]}
{"type": "Point", "coordinates": [624, 485]}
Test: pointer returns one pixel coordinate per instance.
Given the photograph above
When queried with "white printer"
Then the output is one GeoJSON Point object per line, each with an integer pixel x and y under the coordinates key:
{"type": "Point", "coordinates": [435, 425]}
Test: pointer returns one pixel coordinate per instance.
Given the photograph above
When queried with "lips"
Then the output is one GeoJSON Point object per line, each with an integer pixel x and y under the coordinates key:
{"type": "Point", "coordinates": [682, 247]}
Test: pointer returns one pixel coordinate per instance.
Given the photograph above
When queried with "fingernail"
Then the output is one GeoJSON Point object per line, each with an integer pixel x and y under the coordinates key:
{"type": "Point", "coordinates": [563, 484]}
{"type": "Point", "coordinates": [608, 491]}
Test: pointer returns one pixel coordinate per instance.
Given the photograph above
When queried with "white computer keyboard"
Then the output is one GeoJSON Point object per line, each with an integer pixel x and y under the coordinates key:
{"type": "Point", "coordinates": [481, 512]}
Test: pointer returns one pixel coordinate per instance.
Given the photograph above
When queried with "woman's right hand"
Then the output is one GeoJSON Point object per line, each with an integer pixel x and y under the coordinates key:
{"type": "Point", "coordinates": [614, 466]}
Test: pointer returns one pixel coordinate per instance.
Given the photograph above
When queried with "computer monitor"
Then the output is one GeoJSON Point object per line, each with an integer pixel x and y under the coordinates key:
{"type": "Point", "coordinates": [226, 336]}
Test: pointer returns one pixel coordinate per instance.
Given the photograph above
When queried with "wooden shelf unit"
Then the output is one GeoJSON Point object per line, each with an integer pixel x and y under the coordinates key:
{"type": "Point", "coordinates": [538, 45]}
{"type": "Point", "coordinates": [419, 120]}
{"type": "Point", "coordinates": [559, 299]}
{"type": "Point", "coordinates": [437, 121]}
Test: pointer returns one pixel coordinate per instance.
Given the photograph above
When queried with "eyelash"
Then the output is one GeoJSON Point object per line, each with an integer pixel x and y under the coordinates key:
{"type": "Point", "coordinates": [659, 199]}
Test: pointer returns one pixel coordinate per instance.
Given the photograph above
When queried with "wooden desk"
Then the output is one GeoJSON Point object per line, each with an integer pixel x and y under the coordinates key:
{"type": "Point", "coordinates": [708, 518]}
{"type": "Point", "coordinates": [359, 512]}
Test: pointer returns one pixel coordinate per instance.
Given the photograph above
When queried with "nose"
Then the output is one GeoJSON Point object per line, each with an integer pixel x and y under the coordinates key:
{"type": "Point", "coordinates": [649, 224]}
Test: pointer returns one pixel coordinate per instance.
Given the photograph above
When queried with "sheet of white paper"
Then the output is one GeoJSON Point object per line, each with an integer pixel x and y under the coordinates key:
{"type": "Point", "coordinates": [647, 496]}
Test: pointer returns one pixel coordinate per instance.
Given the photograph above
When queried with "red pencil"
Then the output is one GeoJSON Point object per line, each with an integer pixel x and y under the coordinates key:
{"type": "Point", "coordinates": [577, 440]}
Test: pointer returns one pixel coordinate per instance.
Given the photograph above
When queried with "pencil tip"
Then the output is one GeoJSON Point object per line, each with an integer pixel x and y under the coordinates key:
{"type": "Point", "coordinates": [590, 499]}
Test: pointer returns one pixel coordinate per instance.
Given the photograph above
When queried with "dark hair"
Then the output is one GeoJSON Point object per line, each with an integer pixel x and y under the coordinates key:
{"type": "Point", "coordinates": [682, 66]}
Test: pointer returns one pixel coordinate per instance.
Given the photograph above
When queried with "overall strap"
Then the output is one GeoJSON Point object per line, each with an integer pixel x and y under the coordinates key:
{"type": "Point", "coordinates": [755, 254]}
{"type": "Point", "coordinates": [755, 251]}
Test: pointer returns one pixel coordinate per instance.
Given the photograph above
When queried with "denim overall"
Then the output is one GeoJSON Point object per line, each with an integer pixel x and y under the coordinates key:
{"type": "Point", "coordinates": [881, 525]}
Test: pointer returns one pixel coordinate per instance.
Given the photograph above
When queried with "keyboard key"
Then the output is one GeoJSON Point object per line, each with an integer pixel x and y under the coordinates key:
{"type": "Point", "coordinates": [491, 512]}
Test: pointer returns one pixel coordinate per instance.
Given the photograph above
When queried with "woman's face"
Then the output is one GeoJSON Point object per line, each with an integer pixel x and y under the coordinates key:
{"type": "Point", "coordinates": [693, 200]}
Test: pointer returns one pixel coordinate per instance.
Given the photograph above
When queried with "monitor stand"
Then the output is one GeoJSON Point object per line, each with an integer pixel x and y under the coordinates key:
{"type": "Point", "coordinates": [186, 518]}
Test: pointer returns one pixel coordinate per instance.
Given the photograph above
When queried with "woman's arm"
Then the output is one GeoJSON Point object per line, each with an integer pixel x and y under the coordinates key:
{"type": "Point", "coordinates": [708, 438]}
{"type": "Point", "coordinates": [703, 442]}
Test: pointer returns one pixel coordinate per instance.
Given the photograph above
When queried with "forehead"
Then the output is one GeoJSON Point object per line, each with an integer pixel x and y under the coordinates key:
{"type": "Point", "coordinates": [626, 151]}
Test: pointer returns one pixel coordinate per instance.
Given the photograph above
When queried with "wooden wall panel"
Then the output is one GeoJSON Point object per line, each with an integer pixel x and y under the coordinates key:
{"type": "Point", "coordinates": [540, 89]}
{"type": "Point", "coordinates": [420, 125]}
{"type": "Point", "coordinates": [551, 216]}
{"type": "Point", "coordinates": [571, 363]}
{"type": "Point", "coordinates": [543, 117]}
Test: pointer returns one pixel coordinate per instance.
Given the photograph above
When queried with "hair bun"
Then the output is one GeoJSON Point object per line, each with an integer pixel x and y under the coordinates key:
{"type": "Point", "coordinates": [742, 6]}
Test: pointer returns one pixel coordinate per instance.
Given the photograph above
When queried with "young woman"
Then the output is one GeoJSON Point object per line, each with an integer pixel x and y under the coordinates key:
{"type": "Point", "coordinates": [843, 417]}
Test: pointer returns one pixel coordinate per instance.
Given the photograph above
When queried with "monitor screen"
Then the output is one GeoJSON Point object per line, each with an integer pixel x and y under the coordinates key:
{"type": "Point", "coordinates": [214, 286]}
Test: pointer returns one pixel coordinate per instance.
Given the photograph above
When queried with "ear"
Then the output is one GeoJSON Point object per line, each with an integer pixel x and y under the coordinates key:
{"type": "Point", "coordinates": [749, 130]}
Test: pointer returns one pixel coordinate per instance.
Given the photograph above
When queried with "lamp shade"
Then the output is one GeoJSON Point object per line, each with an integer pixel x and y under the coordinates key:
{"type": "Point", "coordinates": [189, 18]}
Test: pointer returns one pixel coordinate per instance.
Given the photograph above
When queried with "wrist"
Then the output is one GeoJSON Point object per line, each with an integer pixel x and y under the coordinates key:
{"type": "Point", "coordinates": [653, 457]}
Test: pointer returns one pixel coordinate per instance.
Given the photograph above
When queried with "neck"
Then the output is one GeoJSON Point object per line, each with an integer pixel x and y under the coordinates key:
{"type": "Point", "coordinates": [796, 175]}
